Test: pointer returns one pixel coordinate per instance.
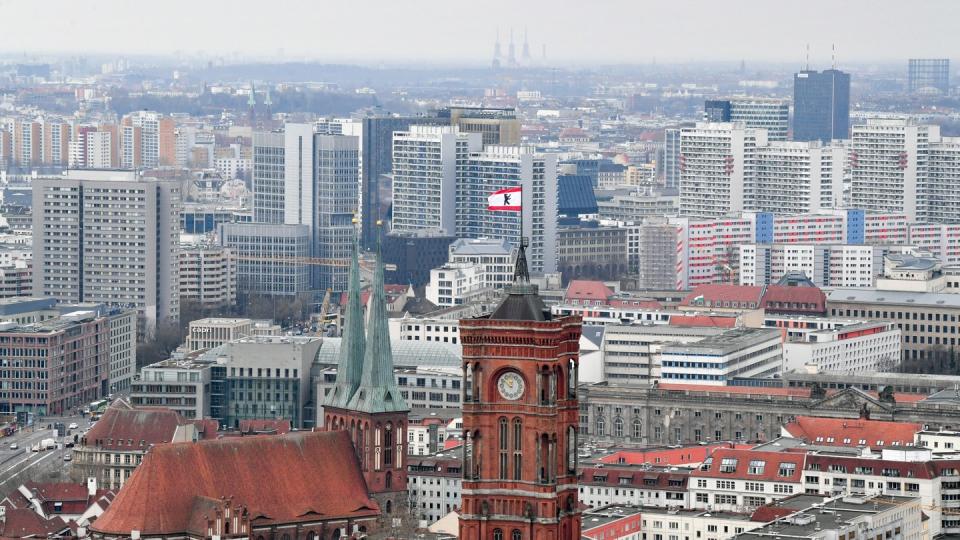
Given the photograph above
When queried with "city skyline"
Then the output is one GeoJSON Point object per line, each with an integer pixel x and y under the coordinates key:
{"type": "Point", "coordinates": [435, 32]}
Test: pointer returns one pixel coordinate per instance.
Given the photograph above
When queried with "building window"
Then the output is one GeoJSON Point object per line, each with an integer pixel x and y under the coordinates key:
{"type": "Point", "coordinates": [497, 534]}
{"type": "Point", "coordinates": [504, 441]}
{"type": "Point", "coordinates": [516, 535]}
{"type": "Point", "coordinates": [517, 449]}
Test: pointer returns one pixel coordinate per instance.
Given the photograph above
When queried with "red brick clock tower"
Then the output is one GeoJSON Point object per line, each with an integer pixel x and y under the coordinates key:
{"type": "Point", "coordinates": [520, 420]}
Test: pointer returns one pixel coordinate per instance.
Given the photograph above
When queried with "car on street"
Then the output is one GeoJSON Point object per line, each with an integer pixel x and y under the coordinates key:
{"type": "Point", "coordinates": [73, 426]}
{"type": "Point", "coordinates": [68, 457]}
{"type": "Point", "coordinates": [14, 446]}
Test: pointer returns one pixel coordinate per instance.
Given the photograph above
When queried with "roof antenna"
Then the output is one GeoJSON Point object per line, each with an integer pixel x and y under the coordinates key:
{"type": "Point", "coordinates": [808, 58]}
{"type": "Point", "coordinates": [833, 56]}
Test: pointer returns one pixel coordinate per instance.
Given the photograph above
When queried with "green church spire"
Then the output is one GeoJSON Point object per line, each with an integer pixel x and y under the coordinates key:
{"type": "Point", "coordinates": [352, 344]}
{"type": "Point", "coordinates": [378, 390]}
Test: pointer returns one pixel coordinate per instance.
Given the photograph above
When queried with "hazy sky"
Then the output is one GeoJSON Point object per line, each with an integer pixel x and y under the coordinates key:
{"type": "Point", "coordinates": [372, 31]}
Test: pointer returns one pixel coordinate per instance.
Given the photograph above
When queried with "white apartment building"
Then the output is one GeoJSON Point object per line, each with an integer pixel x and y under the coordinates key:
{"type": "Point", "coordinates": [208, 275]}
{"type": "Point", "coordinates": [215, 331]}
{"type": "Point", "coordinates": [631, 353]}
{"type": "Point", "coordinates": [942, 200]}
{"type": "Point", "coordinates": [799, 177]}
{"type": "Point", "coordinates": [707, 250]}
{"type": "Point", "coordinates": [889, 159]}
{"type": "Point", "coordinates": [825, 265]}
{"type": "Point", "coordinates": [434, 485]}
{"type": "Point", "coordinates": [99, 149]}
{"type": "Point", "coordinates": [425, 160]}
{"type": "Point", "coordinates": [496, 257]}
{"type": "Point", "coordinates": [498, 167]}
{"type": "Point", "coordinates": [740, 352]}
{"type": "Point", "coordinates": [717, 168]}
{"type": "Point", "coordinates": [409, 328]}
{"type": "Point", "coordinates": [454, 284]}
{"type": "Point", "coordinates": [108, 236]}
{"type": "Point", "coordinates": [841, 345]}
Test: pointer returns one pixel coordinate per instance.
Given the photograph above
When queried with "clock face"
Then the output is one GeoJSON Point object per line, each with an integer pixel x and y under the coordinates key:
{"type": "Point", "coordinates": [510, 386]}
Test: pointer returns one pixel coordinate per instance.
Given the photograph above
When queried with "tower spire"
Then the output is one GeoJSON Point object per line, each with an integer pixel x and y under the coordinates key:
{"type": "Point", "coordinates": [526, 47]}
{"type": "Point", "coordinates": [352, 346]}
{"type": "Point", "coordinates": [378, 390]}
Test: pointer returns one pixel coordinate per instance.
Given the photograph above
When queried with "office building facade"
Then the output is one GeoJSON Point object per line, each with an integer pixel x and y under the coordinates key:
{"type": "Point", "coordinates": [108, 236]}
{"type": "Point", "coordinates": [270, 259]}
{"type": "Point", "coordinates": [821, 105]}
{"type": "Point", "coordinates": [268, 177]}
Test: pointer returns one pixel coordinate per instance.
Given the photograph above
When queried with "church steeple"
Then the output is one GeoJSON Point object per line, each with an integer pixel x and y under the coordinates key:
{"type": "Point", "coordinates": [352, 344]}
{"type": "Point", "coordinates": [378, 390]}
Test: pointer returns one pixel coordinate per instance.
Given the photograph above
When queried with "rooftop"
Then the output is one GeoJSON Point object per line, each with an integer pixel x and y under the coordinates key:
{"type": "Point", "coordinates": [904, 298]}
{"type": "Point", "coordinates": [732, 340]}
{"type": "Point", "coordinates": [406, 354]}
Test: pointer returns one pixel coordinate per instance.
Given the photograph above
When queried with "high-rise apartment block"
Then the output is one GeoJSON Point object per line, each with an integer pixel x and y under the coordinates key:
{"type": "Point", "coordinates": [108, 236]}
{"type": "Point", "coordinates": [148, 140]}
{"type": "Point", "coordinates": [498, 167]}
{"type": "Point", "coordinates": [727, 168]}
{"type": "Point", "coordinates": [821, 105]}
{"type": "Point", "coordinates": [717, 164]}
{"type": "Point", "coordinates": [826, 265]}
{"type": "Point", "coordinates": [942, 197]}
{"type": "Point", "coordinates": [889, 158]}
{"type": "Point", "coordinates": [497, 126]}
{"type": "Point", "coordinates": [770, 114]}
{"type": "Point", "coordinates": [927, 75]}
{"type": "Point", "coordinates": [425, 161]}
{"type": "Point", "coordinates": [798, 177]}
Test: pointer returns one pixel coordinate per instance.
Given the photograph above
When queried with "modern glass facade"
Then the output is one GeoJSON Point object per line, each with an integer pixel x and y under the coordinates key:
{"type": "Point", "coordinates": [929, 74]}
{"type": "Point", "coordinates": [821, 105]}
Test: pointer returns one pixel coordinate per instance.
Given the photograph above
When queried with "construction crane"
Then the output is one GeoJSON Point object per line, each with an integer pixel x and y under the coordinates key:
{"type": "Point", "coordinates": [322, 316]}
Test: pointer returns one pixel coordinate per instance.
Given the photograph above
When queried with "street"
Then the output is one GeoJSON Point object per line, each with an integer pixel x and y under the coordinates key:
{"type": "Point", "coordinates": [22, 465]}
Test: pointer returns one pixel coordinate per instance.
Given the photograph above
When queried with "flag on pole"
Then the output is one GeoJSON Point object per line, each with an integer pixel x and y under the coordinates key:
{"type": "Point", "coordinates": [508, 199]}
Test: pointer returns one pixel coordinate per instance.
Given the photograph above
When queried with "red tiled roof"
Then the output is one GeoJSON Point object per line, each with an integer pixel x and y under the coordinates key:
{"type": "Point", "coordinates": [25, 522]}
{"type": "Point", "coordinates": [724, 293]}
{"type": "Point", "coordinates": [611, 476]}
{"type": "Point", "coordinates": [207, 428]}
{"type": "Point", "coordinates": [783, 298]}
{"type": "Point", "coordinates": [904, 469]}
{"type": "Point", "coordinates": [285, 479]}
{"type": "Point", "coordinates": [59, 491]}
{"type": "Point", "coordinates": [123, 428]}
{"type": "Point", "coordinates": [852, 432]}
{"type": "Point", "coordinates": [582, 289]}
{"type": "Point", "coordinates": [771, 467]}
{"type": "Point", "coordinates": [636, 303]}
{"type": "Point", "coordinates": [663, 456]}
{"type": "Point", "coordinates": [450, 444]}
{"type": "Point", "coordinates": [703, 320]}
{"type": "Point", "coordinates": [769, 513]}
{"type": "Point", "coordinates": [277, 426]}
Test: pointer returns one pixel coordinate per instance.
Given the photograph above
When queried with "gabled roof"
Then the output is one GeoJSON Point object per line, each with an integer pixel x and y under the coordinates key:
{"type": "Point", "coordinates": [283, 479]}
{"type": "Point", "coordinates": [124, 428]}
{"type": "Point", "coordinates": [852, 432]}
{"type": "Point", "coordinates": [274, 426]}
{"type": "Point", "coordinates": [583, 289]}
{"type": "Point", "coordinates": [631, 477]}
{"type": "Point", "coordinates": [723, 293]}
{"type": "Point", "coordinates": [741, 469]}
{"type": "Point", "coordinates": [24, 523]}
{"type": "Point", "coordinates": [663, 456]}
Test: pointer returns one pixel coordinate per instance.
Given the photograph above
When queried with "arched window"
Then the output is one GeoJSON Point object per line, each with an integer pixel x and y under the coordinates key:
{"type": "Point", "coordinates": [334, 536]}
{"type": "Point", "coordinates": [637, 429]}
{"type": "Point", "coordinates": [600, 426]}
{"type": "Point", "coordinates": [516, 535]}
{"type": "Point", "coordinates": [571, 449]}
{"type": "Point", "coordinates": [468, 456]}
{"type": "Point", "coordinates": [388, 445]}
{"type": "Point", "coordinates": [389, 507]}
{"type": "Point", "coordinates": [387, 482]}
{"type": "Point", "coordinates": [285, 537]}
{"type": "Point", "coordinates": [497, 534]}
{"type": "Point", "coordinates": [517, 448]}
{"type": "Point", "coordinates": [572, 378]}
{"type": "Point", "coordinates": [504, 442]}
{"type": "Point", "coordinates": [468, 383]}
{"type": "Point", "coordinates": [618, 427]}
{"type": "Point", "coordinates": [311, 535]}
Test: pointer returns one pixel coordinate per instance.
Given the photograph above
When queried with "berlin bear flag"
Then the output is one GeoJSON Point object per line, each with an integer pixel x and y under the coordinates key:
{"type": "Point", "coordinates": [508, 199]}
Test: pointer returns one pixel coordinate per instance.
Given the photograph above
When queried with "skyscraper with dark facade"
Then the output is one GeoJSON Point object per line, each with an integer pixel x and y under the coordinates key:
{"type": "Point", "coordinates": [821, 105]}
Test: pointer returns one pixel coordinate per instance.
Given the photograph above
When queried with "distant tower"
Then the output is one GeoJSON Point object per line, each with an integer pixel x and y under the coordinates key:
{"type": "Point", "coordinates": [512, 51]}
{"type": "Point", "coordinates": [268, 110]}
{"type": "Point", "coordinates": [525, 55]}
{"type": "Point", "coordinates": [497, 52]}
{"type": "Point", "coordinates": [252, 106]}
